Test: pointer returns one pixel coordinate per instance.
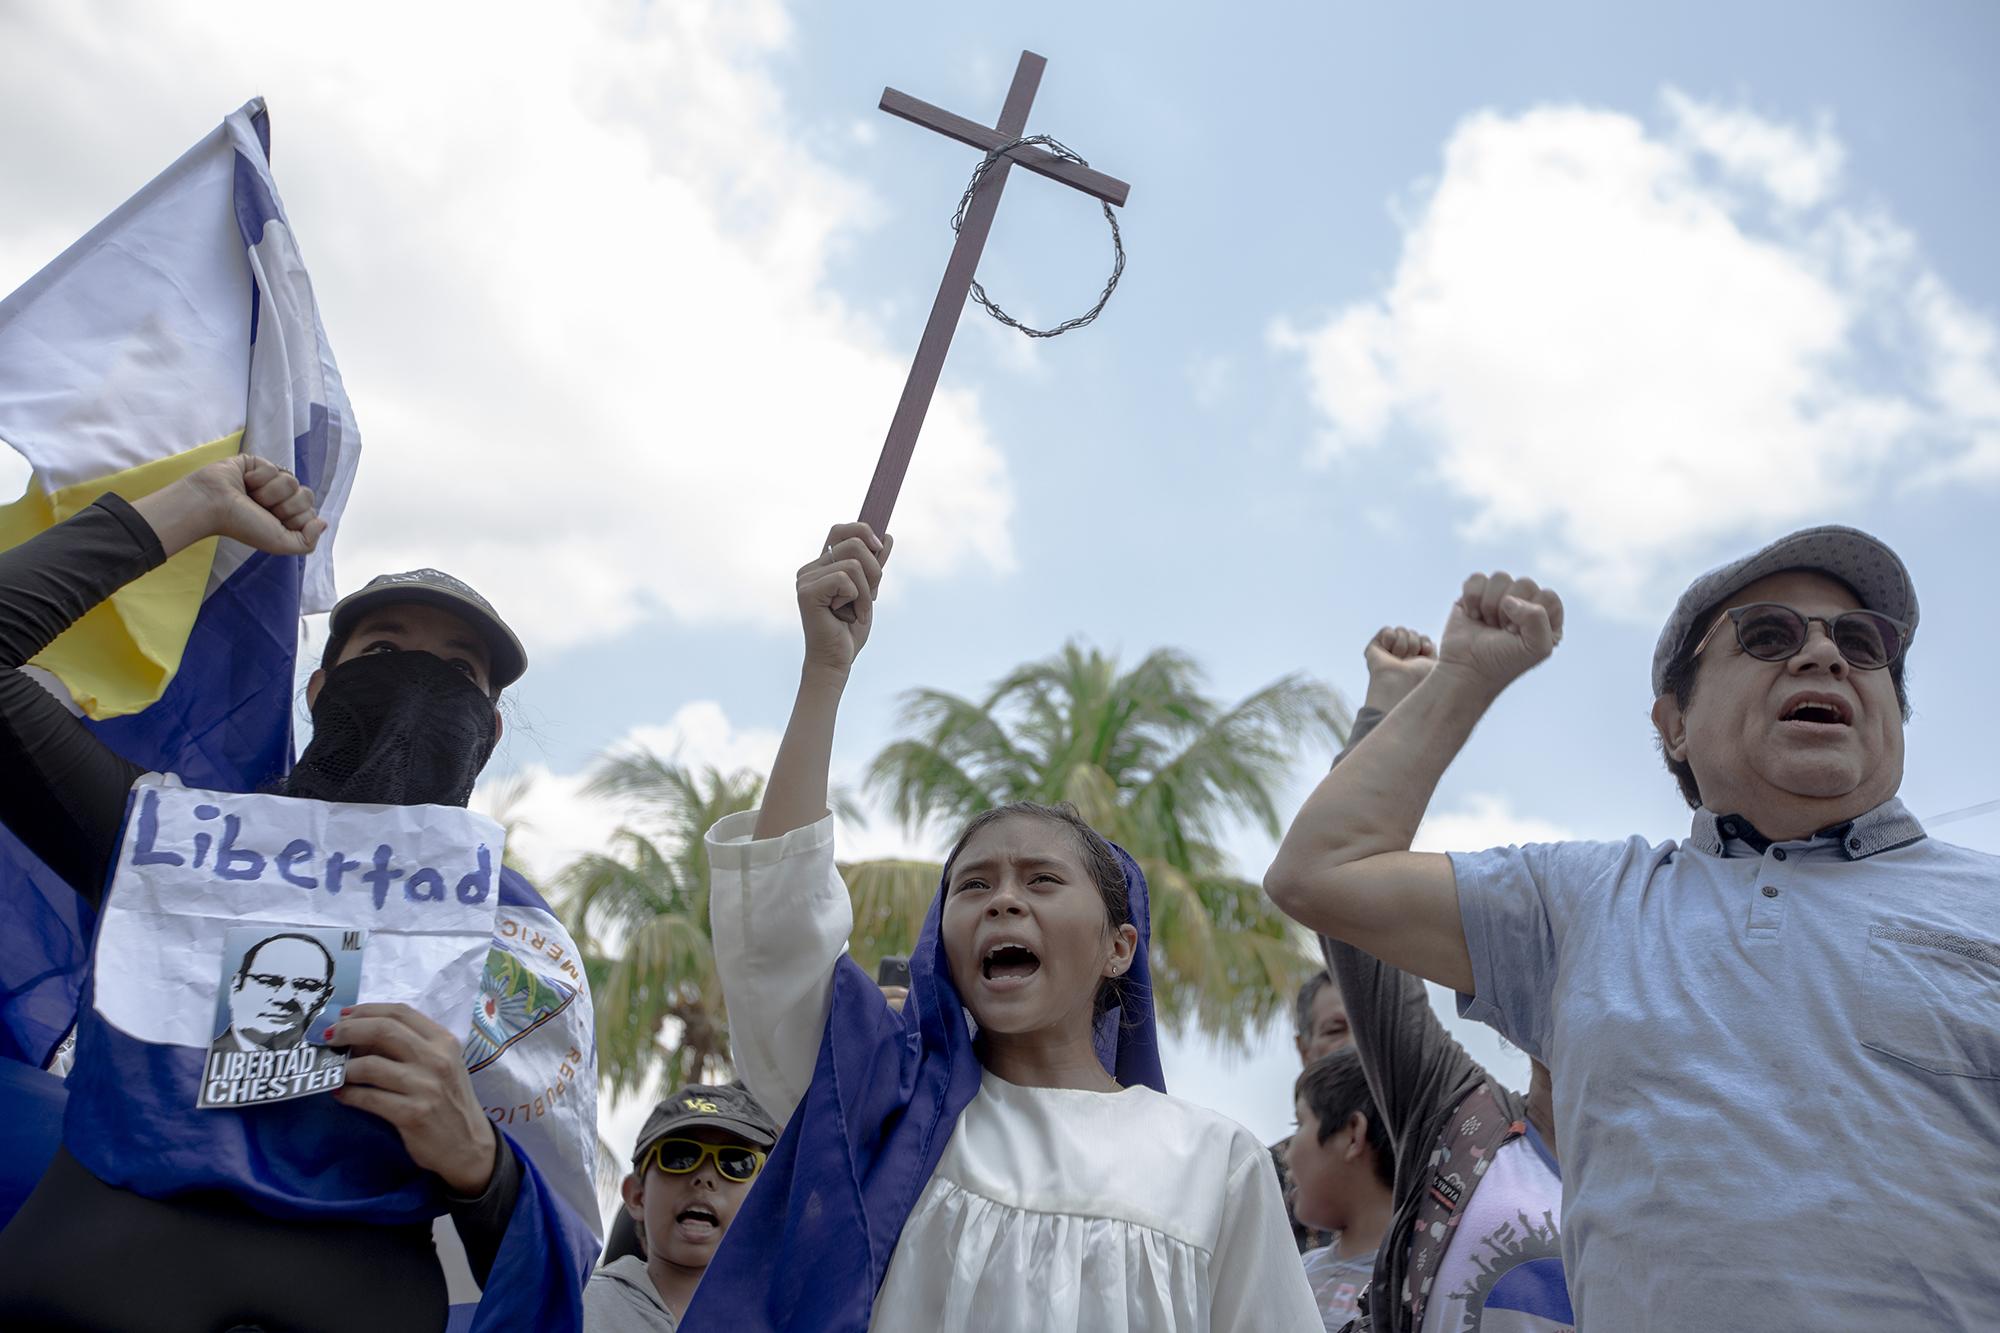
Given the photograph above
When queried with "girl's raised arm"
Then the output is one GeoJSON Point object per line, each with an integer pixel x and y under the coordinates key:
{"type": "Point", "coordinates": [778, 906]}
{"type": "Point", "coordinates": [837, 608]}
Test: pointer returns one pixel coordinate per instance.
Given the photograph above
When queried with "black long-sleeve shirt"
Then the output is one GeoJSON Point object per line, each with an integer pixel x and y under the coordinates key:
{"type": "Point", "coordinates": [1417, 1076]}
{"type": "Point", "coordinates": [63, 791]}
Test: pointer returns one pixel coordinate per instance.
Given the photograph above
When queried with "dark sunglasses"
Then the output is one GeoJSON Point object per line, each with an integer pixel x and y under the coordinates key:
{"type": "Point", "coordinates": [680, 1157]}
{"type": "Point", "coordinates": [1773, 632]}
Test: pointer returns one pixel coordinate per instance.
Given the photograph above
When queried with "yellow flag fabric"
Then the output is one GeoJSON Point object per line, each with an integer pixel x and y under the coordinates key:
{"type": "Point", "coordinates": [119, 658]}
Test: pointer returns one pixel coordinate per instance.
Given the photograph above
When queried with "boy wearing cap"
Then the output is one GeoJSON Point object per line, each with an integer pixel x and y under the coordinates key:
{"type": "Point", "coordinates": [1776, 1042]}
{"type": "Point", "coordinates": [696, 1157]}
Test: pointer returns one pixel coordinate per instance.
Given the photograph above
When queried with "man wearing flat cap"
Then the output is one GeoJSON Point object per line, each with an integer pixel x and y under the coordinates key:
{"type": "Point", "coordinates": [1776, 1041]}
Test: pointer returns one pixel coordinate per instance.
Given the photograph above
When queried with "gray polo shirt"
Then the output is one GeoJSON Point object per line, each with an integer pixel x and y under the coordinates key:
{"type": "Point", "coordinates": [1777, 1069]}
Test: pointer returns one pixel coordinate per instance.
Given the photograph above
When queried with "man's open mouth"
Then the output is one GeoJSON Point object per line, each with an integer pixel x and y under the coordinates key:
{"type": "Point", "coordinates": [1009, 962]}
{"type": "Point", "coordinates": [698, 1221]}
{"type": "Point", "coordinates": [1823, 710]}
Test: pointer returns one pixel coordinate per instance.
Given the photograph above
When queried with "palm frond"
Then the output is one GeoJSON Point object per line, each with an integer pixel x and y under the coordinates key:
{"type": "Point", "coordinates": [1096, 797]}
{"type": "Point", "coordinates": [890, 901]}
{"type": "Point", "coordinates": [639, 912]}
{"type": "Point", "coordinates": [618, 890]}
{"type": "Point", "coordinates": [1233, 763]}
{"type": "Point", "coordinates": [924, 783]}
{"type": "Point", "coordinates": [1183, 932]}
{"type": "Point", "coordinates": [667, 969]}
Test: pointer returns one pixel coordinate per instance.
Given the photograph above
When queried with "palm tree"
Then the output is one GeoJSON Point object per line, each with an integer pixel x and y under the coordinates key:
{"type": "Point", "coordinates": [1147, 758]}
{"type": "Point", "coordinates": [639, 912]}
{"type": "Point", "coordinates": [1154, 764]}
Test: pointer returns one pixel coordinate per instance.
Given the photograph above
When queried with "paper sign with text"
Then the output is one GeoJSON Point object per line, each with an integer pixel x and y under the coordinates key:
{"type": "Point", "coordinates": [417, 883]}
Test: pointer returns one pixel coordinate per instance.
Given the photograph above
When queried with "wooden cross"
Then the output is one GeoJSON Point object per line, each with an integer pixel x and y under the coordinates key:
{"type": "Point", "coordinates": [916, 400]}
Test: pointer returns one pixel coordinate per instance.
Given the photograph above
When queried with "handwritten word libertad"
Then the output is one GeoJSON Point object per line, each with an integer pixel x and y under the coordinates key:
{"type": "Point", "coordinates": [225, 857]}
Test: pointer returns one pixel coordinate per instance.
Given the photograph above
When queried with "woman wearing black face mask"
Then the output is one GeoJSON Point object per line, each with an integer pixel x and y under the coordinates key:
{"type": "Point", "coordinates": [404, 713]}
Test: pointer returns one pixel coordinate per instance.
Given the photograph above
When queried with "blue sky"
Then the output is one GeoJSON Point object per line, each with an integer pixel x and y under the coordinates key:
{"type": "Point", "coordinates": [624, 295]}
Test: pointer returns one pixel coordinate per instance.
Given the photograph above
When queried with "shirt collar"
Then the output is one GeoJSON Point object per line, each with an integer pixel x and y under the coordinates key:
{"type": "Point", "coordinates": [1888, 826]}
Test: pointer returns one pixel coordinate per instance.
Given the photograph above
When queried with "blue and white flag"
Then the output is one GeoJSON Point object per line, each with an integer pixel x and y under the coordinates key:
{"type": "Point", "coordinates": [180, 330]}
{"type": "Point", "coordinates": [533, 1049]}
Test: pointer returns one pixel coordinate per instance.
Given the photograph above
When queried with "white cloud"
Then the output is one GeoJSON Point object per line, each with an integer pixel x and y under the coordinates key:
{"type": "Point", "coordinates": [1963, 364]}
{"type": "Point", "coordinates": [700, 735]}
{"type": "Point", "coordinates": [555, 821]}
{"type": "Point", "coordinates": [1485, 820]}
{"type": "Point", "coordinates": [1621, 347]}
{"type": "Point", "coordinates": [878, 837]}
{"type": "Point", "coordinates": [551, 822]}
{"type": "Point", "coordinates": [574, 261]}
{"type": "Point", "coordinates": [1796, 168]}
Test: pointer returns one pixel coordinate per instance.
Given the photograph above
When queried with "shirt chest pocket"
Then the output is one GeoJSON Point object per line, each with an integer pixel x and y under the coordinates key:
{"type": "Point", "coordinates": [1933, 998]}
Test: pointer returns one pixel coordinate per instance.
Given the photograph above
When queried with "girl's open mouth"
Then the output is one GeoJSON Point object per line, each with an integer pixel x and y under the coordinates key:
{"type": "Point", "coordinates": [1009, 965]}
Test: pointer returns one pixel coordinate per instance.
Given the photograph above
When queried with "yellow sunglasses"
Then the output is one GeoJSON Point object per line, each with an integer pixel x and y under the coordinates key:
{"type": "Point", "coordinates": [680, 1157]}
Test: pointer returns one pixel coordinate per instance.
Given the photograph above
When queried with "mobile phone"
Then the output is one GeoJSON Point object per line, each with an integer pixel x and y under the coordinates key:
{"type": "Point", "coordinates": [893, 970]}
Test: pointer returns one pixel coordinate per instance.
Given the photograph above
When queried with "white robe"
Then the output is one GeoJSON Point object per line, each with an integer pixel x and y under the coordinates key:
{"type": "Point", "coordinates": [1053, 1210]}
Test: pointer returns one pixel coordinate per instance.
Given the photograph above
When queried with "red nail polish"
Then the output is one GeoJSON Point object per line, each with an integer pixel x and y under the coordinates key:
{"type": "Point", "coordinates": [327, 1035]}
{"type": "Point", "coordinates": [345, 1012]}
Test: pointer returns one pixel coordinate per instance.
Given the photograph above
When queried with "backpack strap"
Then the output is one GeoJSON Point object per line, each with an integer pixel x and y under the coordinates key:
{"type": "Point", "coordinates": [1477, 1128]}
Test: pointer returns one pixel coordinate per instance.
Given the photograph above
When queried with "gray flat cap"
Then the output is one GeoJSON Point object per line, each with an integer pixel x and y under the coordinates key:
{"type": "Point", "coordinates": [1860, 561]}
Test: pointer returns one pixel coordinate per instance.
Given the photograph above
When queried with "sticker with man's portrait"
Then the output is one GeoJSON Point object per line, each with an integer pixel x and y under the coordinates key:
{"type": "Point", "coordinates": [279, 991]}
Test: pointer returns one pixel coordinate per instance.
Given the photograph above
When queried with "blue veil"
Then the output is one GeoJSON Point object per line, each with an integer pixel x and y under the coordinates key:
{"type": "Point", "coordinates": [808, 1250]}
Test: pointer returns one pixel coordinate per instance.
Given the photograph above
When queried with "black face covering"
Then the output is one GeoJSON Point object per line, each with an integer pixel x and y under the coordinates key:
{"type": "Point", "coordinates": [399, 728]}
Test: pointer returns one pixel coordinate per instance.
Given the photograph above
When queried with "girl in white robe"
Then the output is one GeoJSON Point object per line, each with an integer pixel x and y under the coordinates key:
{"type": "Point", "coordinates": [1023, 1170]}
